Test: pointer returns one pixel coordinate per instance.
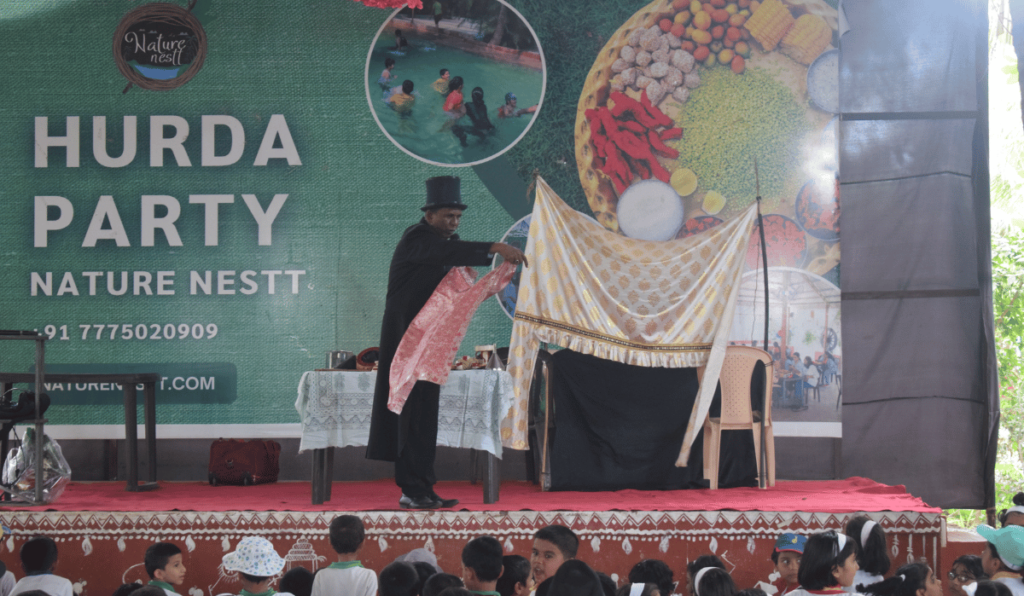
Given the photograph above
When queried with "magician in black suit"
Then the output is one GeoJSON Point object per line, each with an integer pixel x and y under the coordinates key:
{"type": "Point", "coordinates": [424, 255]}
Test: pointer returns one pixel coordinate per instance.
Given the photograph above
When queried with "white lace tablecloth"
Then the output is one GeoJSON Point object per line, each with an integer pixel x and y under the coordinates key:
{"type": "Point", "coordinates": [335, 409]}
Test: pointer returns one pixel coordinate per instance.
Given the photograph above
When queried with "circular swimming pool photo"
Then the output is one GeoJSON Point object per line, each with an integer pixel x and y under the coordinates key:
{"type": "Point", "coordinates": [455, 84]}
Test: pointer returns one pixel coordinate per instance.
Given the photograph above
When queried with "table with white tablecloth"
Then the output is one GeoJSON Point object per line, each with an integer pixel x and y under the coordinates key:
{"type": "Point", "coordinates": [335, 408]}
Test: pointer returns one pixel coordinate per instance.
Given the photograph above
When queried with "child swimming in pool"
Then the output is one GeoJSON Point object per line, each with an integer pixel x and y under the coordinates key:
{"type": "Point", "coordinates": [441, 84]}
{"type": "Point", "coordinates": [400, 42]}
{"type": "Point", "coordinates": [453, 107]}
{"type": "Point", "coordinates": [453, 99]}
{"type": "Point", "coordinates": [387, 75]}
{"type": "Point", "coordinates": [509, 109]}
{"type": "Point", "coordinates": [477, 112]}
{"type": "Point", "coordinates": [402, 102]}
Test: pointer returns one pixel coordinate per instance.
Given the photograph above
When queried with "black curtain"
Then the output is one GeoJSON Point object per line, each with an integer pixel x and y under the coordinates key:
{"type": "Point", "coordinates": [920, 390]}
{"type": "Point", "coordinates": [621, 426]}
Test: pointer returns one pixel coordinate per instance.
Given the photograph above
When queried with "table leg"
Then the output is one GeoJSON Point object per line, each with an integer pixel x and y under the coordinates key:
{"type": "Point", "coordinates": [492, 480]}
{"type": "Point", "coordinates": [328, 472]}
{"type": "Point", "coordinates": [110, 457]}
{"type": "Point", "coordinates": [317, 476]}
{"type": "Point", "coordinates": [131, 438]}
{"type": "Point", "coordinates": [149, 392]}
{"type": "Point", "coordinates": [474, 465]}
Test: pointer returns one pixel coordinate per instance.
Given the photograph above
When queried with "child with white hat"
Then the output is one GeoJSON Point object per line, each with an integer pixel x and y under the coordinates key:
{"type": "Point", "coordinates": [257, 564]}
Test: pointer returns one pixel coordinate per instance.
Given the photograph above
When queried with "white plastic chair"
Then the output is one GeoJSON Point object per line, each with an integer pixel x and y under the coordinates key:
{"type": "Point", "coordinates": [737, 370]}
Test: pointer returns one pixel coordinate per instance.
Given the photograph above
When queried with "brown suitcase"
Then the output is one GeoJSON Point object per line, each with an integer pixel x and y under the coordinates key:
{"type": "Point", "coordinates": [235, 461]}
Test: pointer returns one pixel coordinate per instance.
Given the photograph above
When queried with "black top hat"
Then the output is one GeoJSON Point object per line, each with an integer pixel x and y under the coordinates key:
{"type": "Point", "coordinates": [444, 191]}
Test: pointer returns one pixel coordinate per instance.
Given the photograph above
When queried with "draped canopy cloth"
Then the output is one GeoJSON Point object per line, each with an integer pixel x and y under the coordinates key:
{"type": "Point", "coordinates": [660, 304]}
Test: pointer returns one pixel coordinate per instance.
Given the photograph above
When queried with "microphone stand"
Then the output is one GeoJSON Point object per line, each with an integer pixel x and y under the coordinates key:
{"type": "Point", "coordinates": [763, 467]}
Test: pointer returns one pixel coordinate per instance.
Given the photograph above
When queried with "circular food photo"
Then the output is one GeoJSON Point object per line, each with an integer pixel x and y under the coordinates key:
{"type": "Point", "coordinates": [710, 99]}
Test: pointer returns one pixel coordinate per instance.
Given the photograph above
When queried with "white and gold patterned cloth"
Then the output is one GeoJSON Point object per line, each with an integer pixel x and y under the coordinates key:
{"type": "Point", "coordinates": [660, 304]}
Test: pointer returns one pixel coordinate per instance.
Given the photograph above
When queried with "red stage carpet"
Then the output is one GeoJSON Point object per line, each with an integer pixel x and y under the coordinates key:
{"type": "Point", "coordinates": [829, 496]}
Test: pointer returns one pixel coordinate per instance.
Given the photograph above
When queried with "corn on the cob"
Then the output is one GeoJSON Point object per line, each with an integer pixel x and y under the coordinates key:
{"type": "Point", "coordinates": [770, 23]}
{"type": "Point", "coordinates": [807, 39]}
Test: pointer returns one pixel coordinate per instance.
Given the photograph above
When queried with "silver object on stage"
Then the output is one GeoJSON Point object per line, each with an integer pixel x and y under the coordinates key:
{"type": "Point", "coordinates": [337, 358]}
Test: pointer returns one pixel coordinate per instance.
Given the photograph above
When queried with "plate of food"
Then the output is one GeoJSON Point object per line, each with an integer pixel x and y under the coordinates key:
{"type": "Point", "coordinates": [689, 94]}
{"type": "Point", "coordinates": [817, 209]}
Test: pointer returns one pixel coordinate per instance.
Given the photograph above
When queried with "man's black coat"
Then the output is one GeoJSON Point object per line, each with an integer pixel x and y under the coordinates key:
{"type": "Point", "coordinates": [421, 260]}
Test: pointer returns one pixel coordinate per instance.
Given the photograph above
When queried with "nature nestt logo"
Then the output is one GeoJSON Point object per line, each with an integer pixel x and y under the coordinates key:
{"type": "Point", "coordinates": [159, 46]}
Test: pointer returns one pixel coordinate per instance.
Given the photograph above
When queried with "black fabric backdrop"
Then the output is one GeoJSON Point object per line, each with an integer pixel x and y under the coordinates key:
{"type": "Point", "coordinates": [920, 390]}
{"type": "Point", "coordinates": [621, 426]}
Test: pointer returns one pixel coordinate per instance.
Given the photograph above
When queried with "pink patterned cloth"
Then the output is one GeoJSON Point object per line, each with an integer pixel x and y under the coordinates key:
{"type": "Point", "coordinates": [430, 342]}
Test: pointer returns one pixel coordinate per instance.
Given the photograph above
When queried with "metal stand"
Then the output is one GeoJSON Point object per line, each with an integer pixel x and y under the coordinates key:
{"type": "Point", "coordinates": [39, 338]}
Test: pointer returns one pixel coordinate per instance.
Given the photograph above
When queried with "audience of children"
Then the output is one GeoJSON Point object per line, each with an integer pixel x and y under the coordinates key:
{"type": "Point", "coordinates": [39, 561]}
{"type": "Point", "coordinates": [575, 578]}
{"type": "Point", "coordinates": [1014, 516]}
{"type": "Point", "coordinates": [966, 570]}
{"type": "Point", "coordinates": [165, 567]}
{"type": "Point", "coordinates": [257, 564]}
{"type": "Point", "coordinates": [694, 567]}
{"type": "Point", "coordinates": [713, 581]}
{"type": "Point", "coordinates": [7, 580]}
{"type": "Point", "coordinates": [436, 584]}
{"type": "Point", "coordinates": [824, 564]}
{"type": "Point", "coordinates": [872, 555]}
{"type": "Point", "coordinates": [397, 579]}
{"type": "Point", "coordinates": [1003, 556]}
{"type": "Point", "coordinates": [828, 565]}
{"type": "Point", "coordinates": [653, 571]}
{"type": "Point", "coordinates": [297, 581]}
{"type": "Point", "coordinates": [515, 576]}
{"type": "Point", "coordinates": [914, 579]}
{"type": "Point", "coordinates": [991, 588]}
{"type": "Point", "coordinates": [639, 589]}
{"type": "Point", "coordinates": [552, 546]}
{"type": "Point", "coordinates": [789, 549]}
{"type": "Point", "coordinates": [482, 565]}
{"type": "Point", "coordinates": [346, 574]}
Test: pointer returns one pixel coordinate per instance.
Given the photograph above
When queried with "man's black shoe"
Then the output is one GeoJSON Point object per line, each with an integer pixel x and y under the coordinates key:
{"type": "Point", "coordinates": [424, 502]}
{"type": "Point", "coordinates": [444, 503]}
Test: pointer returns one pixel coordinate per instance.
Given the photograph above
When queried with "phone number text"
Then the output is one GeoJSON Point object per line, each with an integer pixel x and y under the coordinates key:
{"type": "Point", "coordinates": [140, 331]}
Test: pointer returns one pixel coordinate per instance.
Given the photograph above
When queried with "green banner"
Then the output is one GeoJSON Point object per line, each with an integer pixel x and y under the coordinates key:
{"type": "Point", "coordinates": [239, 210]}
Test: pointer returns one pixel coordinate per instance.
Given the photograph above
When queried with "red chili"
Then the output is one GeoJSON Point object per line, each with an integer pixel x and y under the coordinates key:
{"type": "Point", "coordinates": [655, 113]}
{"type": "Point", "coordinates": [632, 126]}
{"type": "Point", "coordinates": [624, 103]}
{"type": "Point", "coordinates": [672, 133]}
{"type": "Point", "coordinates": [660, 147]}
